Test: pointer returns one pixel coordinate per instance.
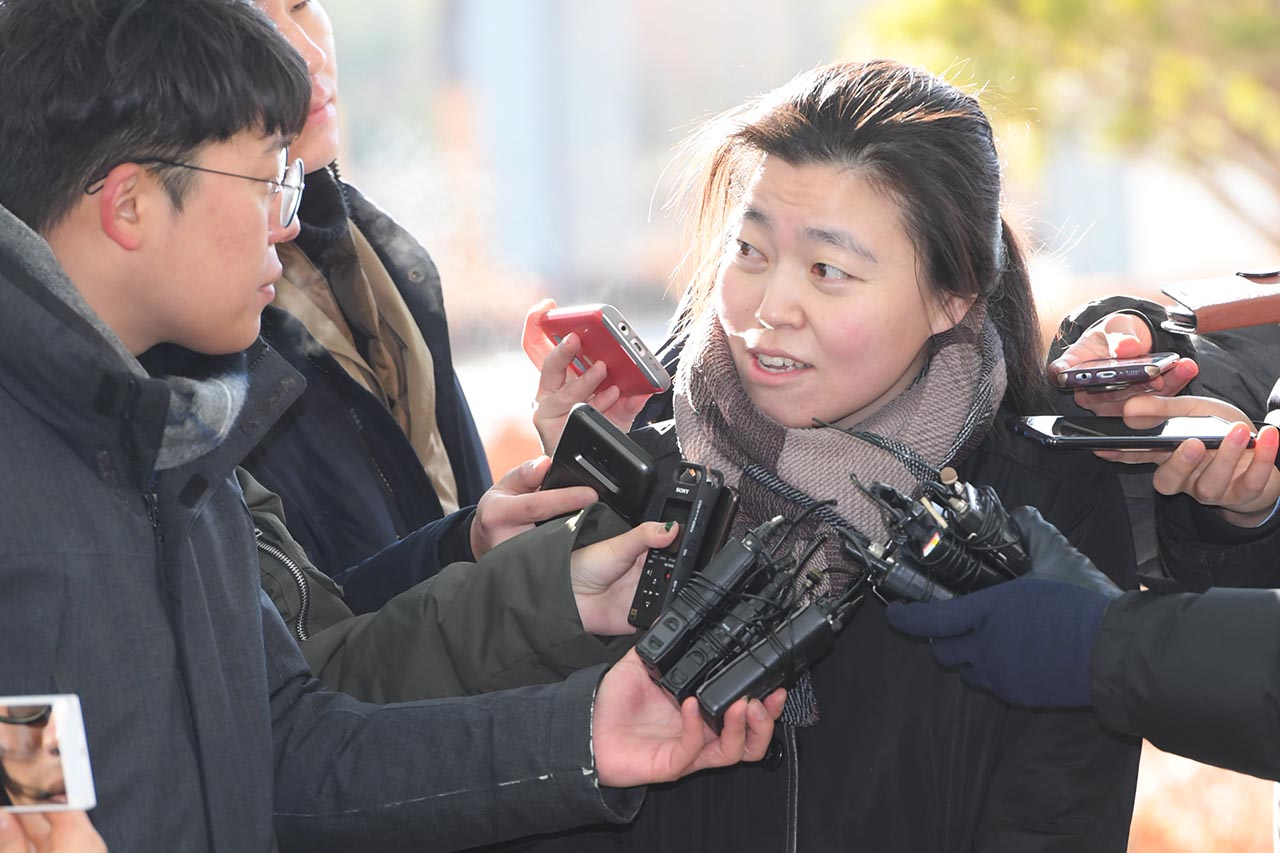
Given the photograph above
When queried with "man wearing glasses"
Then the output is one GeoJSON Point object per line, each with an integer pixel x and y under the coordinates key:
{"type": "Point", "coordinates": [145, 185]}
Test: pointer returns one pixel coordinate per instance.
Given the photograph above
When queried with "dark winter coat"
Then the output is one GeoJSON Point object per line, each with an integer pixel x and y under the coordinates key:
{"type": "Point", "coordinates": [1197, 675]}
{"type": "Point", "coordinates": [350, 481]}
{"type": "Point", "coordinates": [137, 590]}
{"type": "Point", "coordinates": [906, 756]}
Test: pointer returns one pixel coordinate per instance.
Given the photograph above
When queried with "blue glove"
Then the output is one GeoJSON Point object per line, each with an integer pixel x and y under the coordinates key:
{"type": "Point", "coordinates": [1028, 640]}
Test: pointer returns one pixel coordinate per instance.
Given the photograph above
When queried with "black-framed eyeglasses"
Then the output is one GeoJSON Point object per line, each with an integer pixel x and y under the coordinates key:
{"type": "Point", "coordinates": [27, 715]}
{"type": "Point", "coordinates": [289, 185]}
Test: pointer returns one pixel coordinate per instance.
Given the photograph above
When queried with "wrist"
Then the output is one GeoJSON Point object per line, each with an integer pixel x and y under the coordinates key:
{"type": "Point", "coordinates": [1248, 518]}
{"type": "Point", "coordinates": [469, 538]}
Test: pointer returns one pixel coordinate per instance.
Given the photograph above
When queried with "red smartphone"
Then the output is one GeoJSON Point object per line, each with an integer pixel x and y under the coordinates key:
{"type": "Point", "coordinates": [1109, 374]}
{"type": "Point", "coordinates": [607, 336]}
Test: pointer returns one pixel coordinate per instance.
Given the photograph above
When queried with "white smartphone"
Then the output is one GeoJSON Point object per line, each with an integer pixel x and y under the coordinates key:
{"type": "Point", "coordinates": [44, 757]}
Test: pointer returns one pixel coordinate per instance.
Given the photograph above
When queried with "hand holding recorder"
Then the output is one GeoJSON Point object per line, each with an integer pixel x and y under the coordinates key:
{"type": "Point", "coordinates": [642, 736]}
{"type": "Point", "coordinates": [587, 354]}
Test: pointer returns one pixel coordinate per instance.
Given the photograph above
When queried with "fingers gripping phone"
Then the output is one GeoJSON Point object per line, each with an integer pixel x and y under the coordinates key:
{"type": "Point", "coordinates": [1100, 433]}
{"type": "Point", "coordinates": [44, 757]}
{"type": "Point", "coordinates": [1109, 374]}
{"type": "Point", "coordinates": [593, 452]}
{"type": "Point", "coordinates": [607, 336]}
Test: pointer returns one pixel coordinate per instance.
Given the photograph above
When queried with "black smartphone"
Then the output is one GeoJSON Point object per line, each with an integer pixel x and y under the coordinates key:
{"type": "Point", "coordinates": [1099, 433]}
{"type": "Point", "coordinates": [593, 452]}
{"type": "Point", "coordinates": [1109, 374]}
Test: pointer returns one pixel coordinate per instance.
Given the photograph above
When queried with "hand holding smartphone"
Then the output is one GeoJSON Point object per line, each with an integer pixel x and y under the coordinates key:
{"type": "Point", "coordinates": [44, 757]}
{"type": "Point", "coordinates": [1104, 433]}
{"type": "Point", "coordinates": [1111, 374]}
{"type": "Point", "coordinates": [607, 336]}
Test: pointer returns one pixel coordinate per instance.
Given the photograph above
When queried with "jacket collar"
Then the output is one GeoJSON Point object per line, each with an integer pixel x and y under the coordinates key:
{"type": "Point", "coordinates": [61, 363]}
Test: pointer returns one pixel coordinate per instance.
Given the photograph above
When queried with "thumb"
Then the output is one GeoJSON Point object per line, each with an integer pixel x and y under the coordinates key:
{"type": "Point", "coordinates": [1042, 539]}
{"type": "Point", "coordinates": [533, 340]}
{"type": "Point", "coordinates": [936, 618]}
{"type": "Point", "coordinates": [1124, 345]}
{"type": "Point", "coordinates": [639, 539]}
{"type": "Point", "coordinates": [525, 477]}
{"type": "Point", "coordinates": [1146, 410]}
{"type": "Point", "coordinates": [1127, 336]}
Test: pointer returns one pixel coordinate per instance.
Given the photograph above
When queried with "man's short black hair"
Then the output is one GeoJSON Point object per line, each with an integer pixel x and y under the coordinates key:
{"type": "Point", "coordinates": [88, 84]}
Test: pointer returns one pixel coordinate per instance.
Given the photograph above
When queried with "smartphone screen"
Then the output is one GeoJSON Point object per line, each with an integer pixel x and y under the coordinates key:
{"type": "Point", "coordinates": [44, 757]}
{"type": "Point", "coordinates": [1099, 433]}
{"type": "Point", "coordinates": [1110, 373]}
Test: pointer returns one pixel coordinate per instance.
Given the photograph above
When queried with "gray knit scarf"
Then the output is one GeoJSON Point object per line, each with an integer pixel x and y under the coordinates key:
{"type": "Point", "coordinates": [778, 470]}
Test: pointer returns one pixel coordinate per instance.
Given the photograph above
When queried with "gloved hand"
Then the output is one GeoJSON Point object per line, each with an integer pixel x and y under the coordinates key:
{"type": "Point", "coordinates": [1028, 640]}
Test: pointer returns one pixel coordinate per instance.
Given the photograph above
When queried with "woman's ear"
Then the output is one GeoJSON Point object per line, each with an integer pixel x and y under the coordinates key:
{"type": "Point", "coordinates": [947, 310]}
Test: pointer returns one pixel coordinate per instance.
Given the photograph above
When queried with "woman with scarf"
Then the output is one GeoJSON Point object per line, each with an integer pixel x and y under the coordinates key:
{"type": "Point", "coordinates": [858, 307]}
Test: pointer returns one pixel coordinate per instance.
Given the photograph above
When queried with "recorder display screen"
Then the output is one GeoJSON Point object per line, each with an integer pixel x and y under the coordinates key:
{"type": "Point", "coordinates": [677, 511]}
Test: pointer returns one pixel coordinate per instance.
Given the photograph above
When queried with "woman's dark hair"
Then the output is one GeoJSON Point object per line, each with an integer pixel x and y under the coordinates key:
{"type": "Point", "coordinates": [88, 84]}
{"type": "Point", "coordinates": [923, 142]}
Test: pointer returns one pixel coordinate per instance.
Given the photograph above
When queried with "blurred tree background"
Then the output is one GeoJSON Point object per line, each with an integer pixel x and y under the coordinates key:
{"type": "Point", "coordinates": [1193, 82]}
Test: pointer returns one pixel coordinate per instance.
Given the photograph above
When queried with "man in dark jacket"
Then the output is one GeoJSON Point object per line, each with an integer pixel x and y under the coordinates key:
{"type": "Point", "coordinates": [1194, 674]}
{"type": "Point", "coordinates": [145, 184]}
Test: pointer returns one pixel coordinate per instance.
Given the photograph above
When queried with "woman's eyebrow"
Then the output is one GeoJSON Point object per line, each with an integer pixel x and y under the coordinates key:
{"type": "Point", "coordinates": [757, 216]}
{"type": "Point", "coordinates": [841, 239]}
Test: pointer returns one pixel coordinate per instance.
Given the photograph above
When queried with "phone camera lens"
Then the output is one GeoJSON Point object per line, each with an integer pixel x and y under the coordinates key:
{"type": "Point", "coordinates": [1085, 376]}
{"type": "Point", "coordinates": [622, 327]}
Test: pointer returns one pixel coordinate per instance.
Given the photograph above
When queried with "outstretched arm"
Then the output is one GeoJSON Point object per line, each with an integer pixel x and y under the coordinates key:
{"type": "Point", "coordinates": [457, 773]}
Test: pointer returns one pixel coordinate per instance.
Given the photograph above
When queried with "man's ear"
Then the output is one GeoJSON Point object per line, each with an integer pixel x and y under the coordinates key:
{"type": "Point", "coordinates": [946, 310]}
{"type": "Point", "coordinates": [123, 201]}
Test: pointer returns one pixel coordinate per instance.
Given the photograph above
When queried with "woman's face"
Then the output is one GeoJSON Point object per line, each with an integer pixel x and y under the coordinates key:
{"type": "Point", "coordinates": [820, 298]}
{"type": "Point", "coordinates": [32, 763]}
{"type": "Point", "coordinates": [307, 27]}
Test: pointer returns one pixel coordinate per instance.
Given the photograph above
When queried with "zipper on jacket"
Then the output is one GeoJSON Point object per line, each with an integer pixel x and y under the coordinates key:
{"type": "Point", "coordinates": [304, 591]}
{"type": "Point", "coordinates": [153, 514]}
{"type": "Point", "coordinates": [389, 493]}
{"type": "Point", "coordinates": [392, 500]}
{"type": "Point", "coordinates": [793, 788]}
{"type": "Point", "coordinates": [152, 500]}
